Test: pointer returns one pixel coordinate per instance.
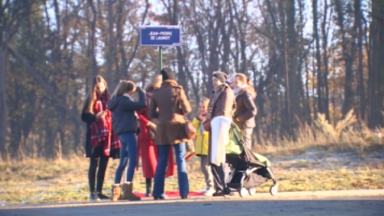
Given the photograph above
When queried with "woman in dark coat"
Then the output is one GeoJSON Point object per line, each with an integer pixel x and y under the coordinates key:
{"type": "Point", "coordinates": [246, 110]}
{"type": "Point", "coordinates": [147, 147]}
{"type": "Point", "coordinates": [101, 143]}
{"type": "Point", "coordinates": [173, 106]}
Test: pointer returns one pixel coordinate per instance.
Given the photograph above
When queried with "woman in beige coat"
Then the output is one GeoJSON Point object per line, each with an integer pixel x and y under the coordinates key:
{"type": "Point", "coordinates": [173, 106]}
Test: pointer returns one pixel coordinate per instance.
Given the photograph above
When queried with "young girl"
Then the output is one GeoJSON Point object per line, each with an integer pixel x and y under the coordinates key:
{"type": "Point", "coordinates": [101, 143]}
{"type": "Point", "coordinates": [124, 121]}
{"type": "Point", "coordinates": [202, 142]}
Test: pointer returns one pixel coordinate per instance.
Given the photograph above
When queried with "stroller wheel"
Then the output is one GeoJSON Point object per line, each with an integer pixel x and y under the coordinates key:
{"type": "Point", "coordinates": [273, 190]}
{"type": "Point", "coordinates": [252, 191]}
{"type": "Point", "coordinates": [243, 192]}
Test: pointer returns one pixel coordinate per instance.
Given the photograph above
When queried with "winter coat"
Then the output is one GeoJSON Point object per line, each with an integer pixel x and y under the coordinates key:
{"type": "Point", "coordinates": [171, 114]}
{"type": "Point", "coordinates": [147, 148]}
{"type": "Point", "coordinates": [246, 110]}
{"type": "Point", "coordinates": [202, 140]}
{"type": "Point", "coordinates": [224, 105]}
{"type": "Point", "coordinates": [123, 110]}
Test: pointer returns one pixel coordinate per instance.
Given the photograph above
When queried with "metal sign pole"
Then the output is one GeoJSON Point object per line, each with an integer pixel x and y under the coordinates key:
{"type": "Point", "coordinates": [160, 58]}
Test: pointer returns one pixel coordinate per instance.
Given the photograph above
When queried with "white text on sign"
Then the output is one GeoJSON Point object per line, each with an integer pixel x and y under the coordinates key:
{"type": "Point", "coordinates": [163, 35]}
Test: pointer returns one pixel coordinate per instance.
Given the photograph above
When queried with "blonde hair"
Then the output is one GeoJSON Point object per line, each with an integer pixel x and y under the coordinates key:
{"type": "Point", "coordinates": [92, 94]}
{"type": "Point", "coordinates": [205, 102]}
{"type": "Point", "coordinates": [123, 87]}
{"type": "Point", "coordinates": [243, 78]}
{"type": "Point", "coordinates": [155, 79]}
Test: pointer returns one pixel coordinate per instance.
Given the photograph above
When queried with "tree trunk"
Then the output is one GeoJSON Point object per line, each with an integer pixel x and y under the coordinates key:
{"type": "Point", "coordinates": [358, 24]}
{"type": "Point", "coordinates": [111, 46]}
{"type": "Point", "coordinates": [376, 74]}
{"type": "Point", "coordinates": [293, 74]}
{"type": "Point", "coordinates": [92, 39]}
{"type": "Point", "coordinates": [3, 102]}
{"type": "Point", "coordinates": [320, 84]}
{"type": "Point", "coordinates": [348, 60]}
{"type": "Point", "coordinates": [325, 57]}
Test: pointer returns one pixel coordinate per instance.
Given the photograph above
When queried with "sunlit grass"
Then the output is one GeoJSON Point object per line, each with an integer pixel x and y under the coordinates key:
{"type": "Point", "coordinates": [41, 181]}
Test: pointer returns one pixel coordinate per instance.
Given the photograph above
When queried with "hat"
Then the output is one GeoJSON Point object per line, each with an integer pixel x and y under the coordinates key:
{"type": "Point", "coordinates": [220, 76]}
{"type": "Point", "coordinates": [167, 73]}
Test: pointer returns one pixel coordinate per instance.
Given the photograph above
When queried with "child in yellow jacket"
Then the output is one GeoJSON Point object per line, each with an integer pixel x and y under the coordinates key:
{"type": "Point", "coordinates": [202, 142]}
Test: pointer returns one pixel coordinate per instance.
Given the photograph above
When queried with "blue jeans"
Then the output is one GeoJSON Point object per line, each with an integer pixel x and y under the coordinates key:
{"type": "Point", "coordinates": [128, 150]}
{"type": "Point", "coordinates": [182, 175]}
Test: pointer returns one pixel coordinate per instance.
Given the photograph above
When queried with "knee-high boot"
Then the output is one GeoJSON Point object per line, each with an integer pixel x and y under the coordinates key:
{"type": "Point", "coordinates": [148, 186]}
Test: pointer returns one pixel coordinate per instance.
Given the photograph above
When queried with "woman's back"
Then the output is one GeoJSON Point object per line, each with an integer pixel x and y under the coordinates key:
{"type": "Point", "coordinates": [172, 105]}
{"type": "Point", "coordinates": [171, 102]}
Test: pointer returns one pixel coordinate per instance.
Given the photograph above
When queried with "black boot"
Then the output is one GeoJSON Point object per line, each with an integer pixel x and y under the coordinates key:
{"type": "Point", "coordinates": [94, 197]}
{"type": "Point", "coordinates": [148, 184]}
{"type": "Point", "coordinates": [102, 196]}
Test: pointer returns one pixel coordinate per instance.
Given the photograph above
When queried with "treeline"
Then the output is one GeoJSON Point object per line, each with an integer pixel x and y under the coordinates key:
{"type": "Point", "coordinates": [304, 57]}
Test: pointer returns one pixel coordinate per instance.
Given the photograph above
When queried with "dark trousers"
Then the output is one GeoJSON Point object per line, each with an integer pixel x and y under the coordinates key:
{"type": "Point", "coordinates": [102, 162]}
{"type": "Point", "coordinates": [220, 175]}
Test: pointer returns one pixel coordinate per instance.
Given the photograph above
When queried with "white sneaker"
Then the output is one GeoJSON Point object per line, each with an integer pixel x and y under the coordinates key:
{"type": "Point", "coordinates": [209, 192]}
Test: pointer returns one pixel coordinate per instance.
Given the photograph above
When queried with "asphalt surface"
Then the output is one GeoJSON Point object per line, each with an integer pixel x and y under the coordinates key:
{"type": "Point", "coordinates": [328, 203]}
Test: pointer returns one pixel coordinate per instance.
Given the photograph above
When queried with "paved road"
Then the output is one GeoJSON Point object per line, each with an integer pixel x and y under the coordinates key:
{"type": "Point", "coordinates": [298, 204]}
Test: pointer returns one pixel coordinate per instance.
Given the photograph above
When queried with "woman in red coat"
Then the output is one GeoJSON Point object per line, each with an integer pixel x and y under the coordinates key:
{"type": "Point", "coordinates": [147, 147]}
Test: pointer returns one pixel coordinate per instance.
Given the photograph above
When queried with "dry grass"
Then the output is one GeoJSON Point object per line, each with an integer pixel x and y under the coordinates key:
{"type": "Point", "coordinates": [346, 135]}
{"type": "Point", "coordinates": [40, 181]}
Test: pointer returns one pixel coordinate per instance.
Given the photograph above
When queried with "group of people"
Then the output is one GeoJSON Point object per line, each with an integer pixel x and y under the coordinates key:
{"type": "Point", "coordinates": [231, 100]}
{"type": "Point", "coordinates": [153, 127]}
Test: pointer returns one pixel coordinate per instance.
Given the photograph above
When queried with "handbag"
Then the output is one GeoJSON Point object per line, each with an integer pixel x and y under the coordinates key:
{"type": "Point", "coordinates": [152, 130]}
{"type": "Point", "coordinates": [190, 130]}
{"type": "Point", "coordinates": [207, 125]}
{"type": "Point", "coordinates": [190, 149]}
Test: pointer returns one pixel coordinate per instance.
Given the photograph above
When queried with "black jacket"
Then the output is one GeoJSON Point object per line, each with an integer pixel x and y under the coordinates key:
{"type": "Point", "coordinates": [88, 119]}
{"type": "Point", "coordinates": [123, 113]}
{"type": "Point", "coordinates": [94, 152]}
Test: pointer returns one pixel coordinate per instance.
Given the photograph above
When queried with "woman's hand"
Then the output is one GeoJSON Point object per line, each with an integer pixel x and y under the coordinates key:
{"type": "Point", "coordinates": [201, 117]}
{"type": "Point", "coordinates": [151, 125]}
{"type": "Point", "coordinates": [101, 114]}
{"type": "Point", "coordinates": [139, 89]}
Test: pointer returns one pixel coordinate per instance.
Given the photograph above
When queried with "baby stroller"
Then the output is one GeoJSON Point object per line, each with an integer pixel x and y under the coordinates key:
{"type": "Point", "coordinates": [249, 170]}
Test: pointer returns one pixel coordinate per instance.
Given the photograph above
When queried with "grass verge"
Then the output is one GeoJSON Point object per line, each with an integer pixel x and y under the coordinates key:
{"type": "Point", "coordinates": [41, 181]}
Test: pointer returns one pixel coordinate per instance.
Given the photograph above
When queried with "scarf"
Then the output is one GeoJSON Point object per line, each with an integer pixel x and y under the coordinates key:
{"type": "Point", "coordinates": [239, 90]}
{"type": "Point", "coordinates": [216, 94]}
{"type": "Point", "coordinates": [101, 130]}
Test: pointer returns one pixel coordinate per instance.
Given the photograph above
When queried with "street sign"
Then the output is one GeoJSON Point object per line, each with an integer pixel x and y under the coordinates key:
{"type": "Point", "coordinates": [160, 36]}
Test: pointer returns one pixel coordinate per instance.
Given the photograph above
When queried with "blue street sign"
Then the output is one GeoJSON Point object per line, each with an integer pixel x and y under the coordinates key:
{"type": "Point", "coordinates": [160, 36]}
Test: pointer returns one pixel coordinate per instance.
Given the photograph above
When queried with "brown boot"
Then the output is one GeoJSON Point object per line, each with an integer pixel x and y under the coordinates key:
{"type": "Point", "coordinates": [127, 192]}
{"type": "Point", "coordinates": [116, 192]}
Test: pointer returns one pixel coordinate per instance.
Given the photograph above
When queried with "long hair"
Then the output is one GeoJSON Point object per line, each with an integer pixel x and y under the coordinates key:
{"type": "Point", "coordinates": [92, 94]}
{"type": "Point", "coordinates": [155, 79]}
{"type": "Point", "coordinates": [124, 86]}
{"type": "Point", "coordinates": [243, 78]}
